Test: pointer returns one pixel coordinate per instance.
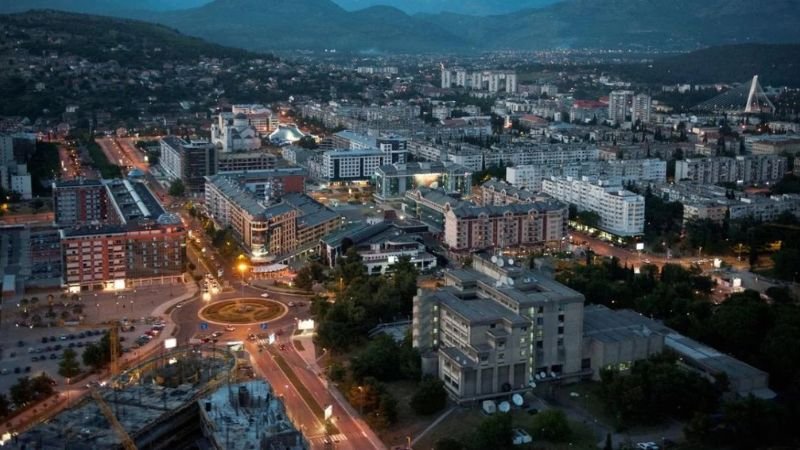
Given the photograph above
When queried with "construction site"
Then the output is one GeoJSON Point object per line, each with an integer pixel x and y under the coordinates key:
{"type": "Point", "coordinates": [185, 398]}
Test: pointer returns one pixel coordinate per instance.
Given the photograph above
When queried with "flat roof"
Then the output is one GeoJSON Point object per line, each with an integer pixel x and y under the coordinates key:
{"type": "Point", "coordinates": [606, 325]}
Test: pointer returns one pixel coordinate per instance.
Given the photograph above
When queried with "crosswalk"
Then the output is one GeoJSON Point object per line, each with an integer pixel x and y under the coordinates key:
{"type": "Point", "coordinates": [321, 440]}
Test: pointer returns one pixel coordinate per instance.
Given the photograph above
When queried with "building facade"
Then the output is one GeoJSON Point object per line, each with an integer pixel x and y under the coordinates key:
{"type": "Point", "coordinates": [743, 170]}
{"type": "Point", "coordinates": [188, 160]}
{"type": "Point", "coordinates": [621, 212]}
{"type": "Point", "coordinates": [393, 180]}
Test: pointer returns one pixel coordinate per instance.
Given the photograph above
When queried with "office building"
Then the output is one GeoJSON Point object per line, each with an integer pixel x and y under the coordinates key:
{"type": "Point", "coordinates": [342, 165]}
{"type": "Point", "coordinates": [495, 327]}
{"type": "Point", "coordinates": [188, 160]}
{"type": "Point", "coordinates": [255, 160]}
{"type": "Point", "coordinates": [270, 225]}
{"type": "Point", "coordinates": [430, 205]}
{"type": "Point", "coordinates": [621, 212]}
{"type": "Point", "coordinates": [637, 171]}
{"type": "Point", "coordinates": [536, 224]}
{"type": "Point", "coordinates": [393, 180]}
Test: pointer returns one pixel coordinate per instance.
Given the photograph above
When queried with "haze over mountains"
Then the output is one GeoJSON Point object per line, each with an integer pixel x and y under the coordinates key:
{"type": "Point", "coordinates": [264, 25]}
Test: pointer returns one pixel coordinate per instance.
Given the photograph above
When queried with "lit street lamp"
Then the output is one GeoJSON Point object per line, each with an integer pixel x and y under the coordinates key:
{"type": "Point", "coordinates": [242, 269]}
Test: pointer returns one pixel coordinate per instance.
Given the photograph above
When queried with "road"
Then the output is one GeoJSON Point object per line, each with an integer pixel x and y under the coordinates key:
{"type": "Point", "coordinates": [352, 433]}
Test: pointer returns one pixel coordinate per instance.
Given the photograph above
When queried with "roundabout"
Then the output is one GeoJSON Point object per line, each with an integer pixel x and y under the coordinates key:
{"type": "Point", "coordinates": [242, 311]}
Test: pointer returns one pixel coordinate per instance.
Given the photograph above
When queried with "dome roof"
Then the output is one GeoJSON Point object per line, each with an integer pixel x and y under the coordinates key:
{"type": "Point", "coordinates": [286, 133]}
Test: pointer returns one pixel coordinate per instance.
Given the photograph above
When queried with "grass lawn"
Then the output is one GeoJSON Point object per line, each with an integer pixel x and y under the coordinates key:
{"type": "Point", "coordinates": [463, 421]}
{"type": "Point", "coordinates": [408, 423]}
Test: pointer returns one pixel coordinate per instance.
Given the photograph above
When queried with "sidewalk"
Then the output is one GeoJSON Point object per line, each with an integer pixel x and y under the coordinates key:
{"type": "Point", "coordinates": [308, 354]}
{"type": "Point", "coordinates": [70, 395]}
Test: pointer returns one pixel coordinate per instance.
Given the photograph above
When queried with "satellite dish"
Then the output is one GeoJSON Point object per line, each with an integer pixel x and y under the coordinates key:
{"type": "Point", "coordinates": [532, 385]}
{"type": "Point", "coordinates": [536, 376]}
{"type": "Point", "coordinates": [517, 399]}
{"type": "Point", "coordinates": [510, 261]}
{"type": "Point", "coordinates": [504, 407]}
{"type": "Point", "coordinates": [510, 281]}
{"type": "Point", "coordinates": [500, 262]}
{"type": "Point", "coordinates": [494, 258]}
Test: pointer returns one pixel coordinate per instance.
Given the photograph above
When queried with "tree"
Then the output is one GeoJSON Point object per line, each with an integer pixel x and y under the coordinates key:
{"type": "Point", "coordinates": [177, 188]}
{"type": "Point", "coordinates": [495, 433]}
{"type": "Point", "coordinates": [430, 397]}
{"type": "Point", "coordinates": [307, 142]}
{"type": "Point", "coordinates": [42, 386]}
{"type": "Point", "coordinates": [5, 406]}
{"type": "Point", "coordinates": [448, 444]}
{"type": "Point", "coordinates": [69, 366]}
{"type": "Point", "coordinates": [609, 445]}
{"type": "Point", "coordinates": [22, 392]}
{"type": "Point", "coordinates": [551, 425]}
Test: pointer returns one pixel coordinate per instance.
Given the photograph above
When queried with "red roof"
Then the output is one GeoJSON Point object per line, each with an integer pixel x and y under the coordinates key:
{"type": "Point", "coordinates": [589, 104]}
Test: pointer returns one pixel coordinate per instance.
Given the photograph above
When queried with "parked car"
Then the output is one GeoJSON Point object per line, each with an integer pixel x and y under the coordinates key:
{"type": "Point", "coordinates": [647, 446]}
{"type": "Point", "coordinates": [265, 295]}
{"type": "Point", "coordinates": [53, 356]}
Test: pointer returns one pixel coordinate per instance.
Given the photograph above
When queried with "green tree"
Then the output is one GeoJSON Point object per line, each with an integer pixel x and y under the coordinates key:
{"type": "Point", "coordinates": [448, 444]}
{"type": "Point", "coordinates": [494, 432]}
{"type": "Point", "coordinates": [5, 406]}
{"type": "Point", "coordinates": [69, 367]}
{"type": "Point", "coordinates": [22, 392]}
{"type": "Point", "coordinates": [551, 425]}
{"type": "Point", "coordinates": [430, 397]}
{"type": "Point", "coordinates": [177, 188]}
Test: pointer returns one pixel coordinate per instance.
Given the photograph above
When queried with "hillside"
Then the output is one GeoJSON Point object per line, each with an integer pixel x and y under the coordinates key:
{"type": "Point", "coordinates": [776, 65]}
{"type": "Point", "coordinates": [472, 7]}
{"type": "Point", "coordinates": [98, 39]}
{"type": "Point", "coordinates": [262, 25]}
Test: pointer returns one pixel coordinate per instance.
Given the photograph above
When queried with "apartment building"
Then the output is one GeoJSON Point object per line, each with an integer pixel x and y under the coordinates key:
{"type": "Point", "coordinates": [473, 228]}
{"type": "Point", "coordinates": [743, 170]}
{"type": "Point", "coordinates": [499, 193]}
{"type": "Point", "coordinates": [269, 226]}
{"type": "Point", "coordinates": [259, 117]}
{"type": "Point", "coordinates": [621, 211]}
{"type": "Point", "coordinates": [619, 106]}
{"type": "Point", "coordinates": [641, 106]}
{"type": "Point", "coordinates": [245, 161]}
{"type": "Point", "coordinates": [393, 180]}
{"type": "Point", "coordinates": [430, 205]}
{"type": "Point", "coordinates": [487, 80]}
{"type": "Point", "coordinates": [638, 171]}
{"type": "Point", "coordinates": [134, 242]}
{"type": "Point", "coordinates": [188, 160]}
{"type": "Point", "coordinates": [80, 202]}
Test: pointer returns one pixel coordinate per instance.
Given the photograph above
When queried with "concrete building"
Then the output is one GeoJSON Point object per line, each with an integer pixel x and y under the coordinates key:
{"type": "Point", "coordinates": [473, 228]}
{"type": "Point", "coordinates": [245, 161]}
{"type": "Point", "coordinates": [495, 327]}
{"type": "Point", "coordinates": [430, 205]}
{"type": "Point", "coordinates": [487, 80]}
{"type": "Point", "coordinates": [188, 160]}
{"type": "Point", "coordinates": [641, 105]}
{"type": "Point", "coordinates": [639, 171]}
{"type": "Point", "coordinates": [138, 242]}
{"type": "Point", "coordinates": [619, 106]}
{"type": "Point", "coordinates": [621, 212]}
{"type": "Point", "coordinates": [233, 133]}
{"type": "Point", "coordinates": [773, 144]}
{"type": "Point", "coordinates": [380, 245]}
{"type": "Point", "coordinates": [259, 117]}
{"type": "Point", "coordinates": [742, 170]}
{"type": "Point", "coordinates": [344, 165]}
{"type": "Point", "coordinates": [80, 202]}
{"type": "Point", "coordinates": [499, 193]}
{"type": "Point", "coordinates": [270, 226]}
{"type": "Point", "coordinates": [393, 180]}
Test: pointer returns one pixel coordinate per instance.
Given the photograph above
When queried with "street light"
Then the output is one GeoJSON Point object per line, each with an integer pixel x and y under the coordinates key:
{"type": "Point", "coordinates": [242, 269]}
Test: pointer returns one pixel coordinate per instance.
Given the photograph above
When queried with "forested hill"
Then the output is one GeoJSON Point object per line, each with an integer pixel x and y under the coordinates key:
{"type": "Point", "coordinates": [775, 64]}
{"type": "Point", "coordinates": [131, 43]}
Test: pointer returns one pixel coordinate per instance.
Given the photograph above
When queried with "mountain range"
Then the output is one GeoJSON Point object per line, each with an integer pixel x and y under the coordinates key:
{"type": "Point", "coordinates": [471, 7]}
{"type": "Point", "coordinates": [263, 25]}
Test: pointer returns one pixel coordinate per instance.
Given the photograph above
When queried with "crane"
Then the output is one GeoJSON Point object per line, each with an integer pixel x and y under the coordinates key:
{"type": "Point", "coordinates": [127, 442]}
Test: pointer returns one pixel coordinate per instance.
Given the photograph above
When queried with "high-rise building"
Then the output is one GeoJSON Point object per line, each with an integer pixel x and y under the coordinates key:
{"type": "Point", "coordinates": [619, 105]}
{"type": "Point", "coordinates": [640, 109]}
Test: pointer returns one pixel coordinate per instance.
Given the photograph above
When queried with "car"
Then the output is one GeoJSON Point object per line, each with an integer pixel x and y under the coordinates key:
{"type": "Point", "coordinates": [53, 356]}
{"type": "Point", "coordinates": [230, 328]}
{"type": "Point", "coordinates": [251, 337]}
{"type": "Point", "coordinates": [647, 446]}
{"type": "Point", "coordinates": [63, 337]}
{"type": "Point", "coordinates": [265, 295]}
{"type": "Point", "coordinates": [57, 347]}
{"type": "Point", "coordinates": [81, 335]}
{"type": "Point", "coordinates": [217, 333]}
{"type": "Point", "coordinates": [44, 340]}
{"type": "Point", "coordinates": [282, 347]}
{"type": "Point", "coordinates": [71, 345]}
{"type": "Point", "coordinates": [27, 369]}
{"type": "Point", "coordinates": [4, 372]}
{"type": "Point", "coordinates": [31, 350]}
{"type": "Point", "coordinates": [79, 344]}
{"type": "Point", "coordinates": [52, 339]}
{"type": "Point", "coordinates": [20, 343]}
{"type": "Point", "coordinates": [292, 305]}
{"type": "Point", "coordinates": [48, 349]}
{"type": "Point", "coordinates": [17, 370]}
{"type": "Point", "coordinates": [34, 358]}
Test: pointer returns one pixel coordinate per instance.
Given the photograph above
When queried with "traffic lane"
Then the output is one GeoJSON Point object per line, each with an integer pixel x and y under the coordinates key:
{"type": "Point", "coordinates": [296, 407]}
